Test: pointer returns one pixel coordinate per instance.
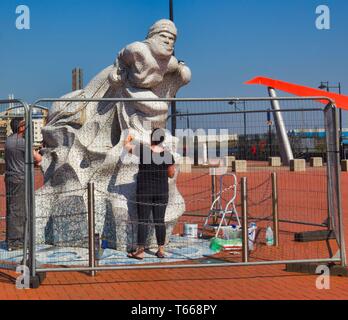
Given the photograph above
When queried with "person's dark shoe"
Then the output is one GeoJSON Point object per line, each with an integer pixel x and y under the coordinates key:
{"type": "Point", "coordinates": [138, 255]}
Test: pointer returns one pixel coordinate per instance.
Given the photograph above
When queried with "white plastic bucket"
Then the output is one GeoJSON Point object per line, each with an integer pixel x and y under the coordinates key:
{"type": "Point", "coordinates": [191, 230]}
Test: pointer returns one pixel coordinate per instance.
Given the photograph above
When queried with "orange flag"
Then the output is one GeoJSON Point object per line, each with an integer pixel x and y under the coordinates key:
{"type": "Point", "coordinates": [302, 91]}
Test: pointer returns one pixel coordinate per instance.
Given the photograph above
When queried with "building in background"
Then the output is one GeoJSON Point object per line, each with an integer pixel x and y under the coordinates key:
{"type": "Point", "coordinates": [39, 121]}
{"type": "Point", "coordinates": [10, 97]}
{"type": "Point", "coordinates": [3, 136]}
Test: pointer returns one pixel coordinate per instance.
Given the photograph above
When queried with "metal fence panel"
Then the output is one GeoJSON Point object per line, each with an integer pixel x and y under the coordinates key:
{"type": "Point", "coordinates": [304, 197]}
{"type": "Point", "coordinates": [13, 186]}
{"type": "Point", "coordinates": [334, 181]}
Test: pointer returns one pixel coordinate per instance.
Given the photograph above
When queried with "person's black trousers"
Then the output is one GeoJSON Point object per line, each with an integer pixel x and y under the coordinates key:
{"type": "Point", "coordinates": [157, 204]}
{"type": "Point", "coordinates": [15, 212]}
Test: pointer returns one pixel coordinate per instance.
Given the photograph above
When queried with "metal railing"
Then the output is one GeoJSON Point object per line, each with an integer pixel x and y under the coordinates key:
{"type": "Point", "coordinates": [257, 201]}
{"type": "Point", "coordinates": [28, 181]}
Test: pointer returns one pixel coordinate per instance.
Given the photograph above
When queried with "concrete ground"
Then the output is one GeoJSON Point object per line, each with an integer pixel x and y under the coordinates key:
{"type": "Point", "coordinates": [226, 283]}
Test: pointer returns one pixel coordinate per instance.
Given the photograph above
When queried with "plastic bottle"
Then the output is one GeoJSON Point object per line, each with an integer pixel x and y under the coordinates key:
{"type": "Point", "coordinates": [269, 237]}
{"type": "Point", "coordinates": [252, 235]}
{"type": "Point", "coordinates": [104, 243]}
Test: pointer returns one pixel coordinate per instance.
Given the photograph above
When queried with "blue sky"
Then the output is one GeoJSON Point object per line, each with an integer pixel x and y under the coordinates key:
{"type": "Point", "coordinates": [224, 42]}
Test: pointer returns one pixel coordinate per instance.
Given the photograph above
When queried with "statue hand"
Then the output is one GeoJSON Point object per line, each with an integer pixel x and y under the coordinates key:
{"type": "Point", "coordinates": [115, 78]}
{"type": "Point", "coordinates": [185, 72]}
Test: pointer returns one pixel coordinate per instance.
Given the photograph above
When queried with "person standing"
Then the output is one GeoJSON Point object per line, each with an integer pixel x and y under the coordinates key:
{"type": "Point", "coordinates": [15, 184]}
{"type": "Point", "coordinates": [156, 165]}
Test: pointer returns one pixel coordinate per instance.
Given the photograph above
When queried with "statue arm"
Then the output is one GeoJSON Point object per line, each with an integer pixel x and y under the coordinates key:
{"type": "Point", "coordinates": [184, 72]}
{"type": "Point", "coordinates": [181, 70]}
{"type": "Point", "coordinates": [37, 158]}
{"type": "Point", "coordinates": [119, 74]}
{"type": "Point", "coordinates": [130, 59]}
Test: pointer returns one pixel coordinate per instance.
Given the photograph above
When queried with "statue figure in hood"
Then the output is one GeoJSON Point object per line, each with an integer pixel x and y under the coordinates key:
{"type": "Point", "coordinates": [84, 143]}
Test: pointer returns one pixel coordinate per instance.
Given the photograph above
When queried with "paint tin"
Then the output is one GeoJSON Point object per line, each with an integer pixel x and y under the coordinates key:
{"type": "Point", "coordinates": [231, 232]}
{"type": "Point", "coordinates": [191, 230]}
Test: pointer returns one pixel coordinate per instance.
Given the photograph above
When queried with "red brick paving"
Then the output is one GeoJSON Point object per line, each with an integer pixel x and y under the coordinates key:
{"type": "Point", "coordinates": [227, 283]}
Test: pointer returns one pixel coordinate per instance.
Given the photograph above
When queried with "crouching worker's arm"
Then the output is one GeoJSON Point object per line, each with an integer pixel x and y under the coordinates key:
{"type": "Point", "coordinates": [37, 158]}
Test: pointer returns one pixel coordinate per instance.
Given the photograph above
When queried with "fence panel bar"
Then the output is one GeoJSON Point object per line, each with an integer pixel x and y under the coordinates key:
{"type": "Point", "coordinates": [334, 177]}
{"type": "Point", "coordinates": [260, 201]}
{"type": "Point", "coordinates": [15, 105]}
{"type": "Point", "coordinates": [189, 266]}
{"type": "Point", "coordinates": [338, 192]}
{"type": "Point", "coordinates": [275, 208]}
{"type": "Point", "coordinates": [91, 228]}
{"type": "Point", "coordinates": [244, 197]}
{"type": "Point", "coordinates": [31, 188]}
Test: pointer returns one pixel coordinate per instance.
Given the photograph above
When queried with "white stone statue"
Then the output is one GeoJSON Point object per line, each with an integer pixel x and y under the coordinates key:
{"type": "Point", "coordinates": [84, 143]}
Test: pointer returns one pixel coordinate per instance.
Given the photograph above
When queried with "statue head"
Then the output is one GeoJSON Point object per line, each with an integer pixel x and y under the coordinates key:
{"type": "Point", "coordinates": [162, 37]}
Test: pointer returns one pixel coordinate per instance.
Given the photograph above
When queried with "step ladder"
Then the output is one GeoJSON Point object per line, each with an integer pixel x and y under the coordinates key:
{"type": "Point", "coordinates": [222, 216]}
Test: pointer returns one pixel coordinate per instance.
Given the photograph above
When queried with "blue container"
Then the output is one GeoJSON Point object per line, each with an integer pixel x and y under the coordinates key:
{"type": "Point", "coordinates": [104, 244]}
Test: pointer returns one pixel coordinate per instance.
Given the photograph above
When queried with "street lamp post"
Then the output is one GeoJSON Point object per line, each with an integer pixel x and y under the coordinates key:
{"type": "Point", "coordinates": [171, 11]}
{"type": "Point", "coordinates": [173, 103]}
{"type": "Point", "coordinates": [325, 85]}
{"type": "Point", "coordinates": [245, 129]}
{"type": "Point", "coordinates": [269, 123]}
{"type": "Point", "coordinates": [181, 115]}
{"type": "Point", "coordinates": [234, 103]}
{"type": "Point", "coordinates": [187, 120]}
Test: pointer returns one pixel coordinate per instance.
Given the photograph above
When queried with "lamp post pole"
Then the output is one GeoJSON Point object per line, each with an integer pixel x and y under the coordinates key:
{"type": "Point", "coordinates": [173, 103]}
{"type": "Point", "coordinates": [245, 130]}
{"type": "Point", "coordinates": [269, 123]}
{"type": "Point", "coordinates": [187, 120]}
{"type": "Point", "coordinates": [326, 85]}
{"type": "Point", "coordinates": [171, 11]}
{"type": "Point", "coordinates": [234, 103]}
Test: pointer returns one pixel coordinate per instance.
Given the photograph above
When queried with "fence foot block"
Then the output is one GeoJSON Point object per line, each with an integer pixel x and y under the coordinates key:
{"type": "Point", "coordinates": [298, 165]}
{"type": "Point", "coordinates": [275, 162]}
{"type": "Point", "coordinates": [320, 235]}
{"type": "Point", "coordinates": [316, 162]}
{"type": "Point", "coordinates": [229, 160]}
{"type": "Point", "coordinates": [239, 166]}
{"type": "Point", "coordinates": [36, 281]}
{"type": "Point", "coordinates": [311, 268]}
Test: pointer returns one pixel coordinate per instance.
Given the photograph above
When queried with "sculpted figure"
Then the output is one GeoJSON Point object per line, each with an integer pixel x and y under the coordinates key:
{"type": "Point", "coordinates": [149, 70]}
{"type": "Point", "coordinates": [83, 143]}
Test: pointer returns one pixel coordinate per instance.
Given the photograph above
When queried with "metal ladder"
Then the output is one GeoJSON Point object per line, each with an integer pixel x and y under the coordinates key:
{"type": "Point", "coordinates": [217, 212]}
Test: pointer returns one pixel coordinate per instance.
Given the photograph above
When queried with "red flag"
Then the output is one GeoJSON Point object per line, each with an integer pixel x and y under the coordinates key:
{"type": "Point", "coordinates": [302, 91]}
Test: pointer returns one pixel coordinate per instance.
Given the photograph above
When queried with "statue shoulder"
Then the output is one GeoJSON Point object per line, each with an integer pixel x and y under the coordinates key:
{"type": "Point", "coordinates": [133, 52]}
{"type": "Point", "coordinates": [136, 48]}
